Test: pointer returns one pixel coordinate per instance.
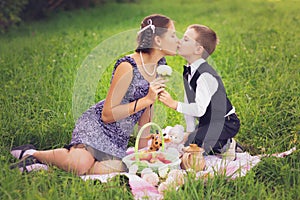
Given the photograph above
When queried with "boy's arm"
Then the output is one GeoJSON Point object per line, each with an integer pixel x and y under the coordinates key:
{"type": "Point", "coordinates": [207, 85]}
{"type": "Point", "coordinates": [166, 99]}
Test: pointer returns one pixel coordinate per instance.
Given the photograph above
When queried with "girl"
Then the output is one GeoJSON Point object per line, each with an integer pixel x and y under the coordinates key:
{"type": "Point", "coordinates": [100, 137]}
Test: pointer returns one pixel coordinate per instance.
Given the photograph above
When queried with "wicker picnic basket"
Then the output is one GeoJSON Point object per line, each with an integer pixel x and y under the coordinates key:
{"type": "Point", "coordinates": [134, 158]}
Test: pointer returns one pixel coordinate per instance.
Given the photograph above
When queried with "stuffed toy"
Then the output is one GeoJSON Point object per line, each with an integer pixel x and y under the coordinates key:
{"type": "Point", "coordinates": [175, 138]}
{"type": "Point", "coordinates": [155, 142]}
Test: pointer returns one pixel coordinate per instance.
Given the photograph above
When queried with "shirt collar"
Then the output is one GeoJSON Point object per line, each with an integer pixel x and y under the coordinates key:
{"type": "Point", "coordinates": [196, 64]}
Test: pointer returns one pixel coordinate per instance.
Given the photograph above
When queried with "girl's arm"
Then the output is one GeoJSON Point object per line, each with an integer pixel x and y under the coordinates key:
{"type": "Point", "coordinates": [113, 110]}
{"type": "Point", "coordinates": [145, 118]}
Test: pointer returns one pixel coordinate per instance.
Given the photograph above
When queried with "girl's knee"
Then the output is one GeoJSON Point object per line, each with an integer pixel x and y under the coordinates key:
{"type": "Point", "coordinates": [83, 166]}
{"type": "Point", "coordinates": [80, 161]}
{"type": "Point", "coordinates": [108, 166]}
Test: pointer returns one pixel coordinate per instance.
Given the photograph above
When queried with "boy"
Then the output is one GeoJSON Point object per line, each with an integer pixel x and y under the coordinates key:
{"type": "Point", "coordinates": [205, 96]}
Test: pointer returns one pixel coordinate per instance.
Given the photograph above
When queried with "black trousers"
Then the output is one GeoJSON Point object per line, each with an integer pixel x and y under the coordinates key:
{"type": "Point", "coordinates": [214, 135]}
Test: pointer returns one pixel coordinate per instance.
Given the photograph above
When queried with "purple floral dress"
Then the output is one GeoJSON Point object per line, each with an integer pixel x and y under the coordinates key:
{"type": "Point", "coordinates": [112, 138]}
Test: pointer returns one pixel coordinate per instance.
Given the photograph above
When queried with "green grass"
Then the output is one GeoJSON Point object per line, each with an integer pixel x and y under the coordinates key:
{"type": "Point", "coordinates": [258, 59]}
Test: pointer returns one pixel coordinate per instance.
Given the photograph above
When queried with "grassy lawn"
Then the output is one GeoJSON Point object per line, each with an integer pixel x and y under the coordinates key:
{"type": "Point", "coordinates": [42, 64]}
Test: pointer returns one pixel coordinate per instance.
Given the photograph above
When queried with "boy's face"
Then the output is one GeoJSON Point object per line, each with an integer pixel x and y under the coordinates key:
{"type": "Point", "coordinates": [188, 45]}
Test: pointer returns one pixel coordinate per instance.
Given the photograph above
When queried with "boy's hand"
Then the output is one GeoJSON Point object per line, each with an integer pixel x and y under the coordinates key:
{"type": "Point", "coordinates": [166, 99]}
{"type": "Point", "coordinates": [186, 136]}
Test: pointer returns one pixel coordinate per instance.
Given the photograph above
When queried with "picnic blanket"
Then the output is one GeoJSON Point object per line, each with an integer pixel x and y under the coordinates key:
{"type": "Point", "coordinates": [244, 162]}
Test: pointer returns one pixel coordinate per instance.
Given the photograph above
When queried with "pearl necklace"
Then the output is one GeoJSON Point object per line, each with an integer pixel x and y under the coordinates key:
{"type": "Point", "coordinates": [142, 60]}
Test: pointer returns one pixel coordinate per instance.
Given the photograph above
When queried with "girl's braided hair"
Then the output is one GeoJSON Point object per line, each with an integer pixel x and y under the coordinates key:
{"type": "Point", "coordinates": [155, 25]}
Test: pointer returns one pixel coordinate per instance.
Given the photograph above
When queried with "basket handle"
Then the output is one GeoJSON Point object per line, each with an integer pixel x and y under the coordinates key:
{"type": "Point", "coordinates": [141, 131]}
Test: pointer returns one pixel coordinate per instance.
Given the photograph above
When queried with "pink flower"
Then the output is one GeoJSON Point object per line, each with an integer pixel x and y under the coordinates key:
{"type": "Point", "coordinates": [151, 178]}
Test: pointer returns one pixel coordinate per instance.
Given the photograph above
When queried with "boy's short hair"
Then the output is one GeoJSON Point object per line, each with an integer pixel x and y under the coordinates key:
{"type": "Point", "coordinates": [206, 37]}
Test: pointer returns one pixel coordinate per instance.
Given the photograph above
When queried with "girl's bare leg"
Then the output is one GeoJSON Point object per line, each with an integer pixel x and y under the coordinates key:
{"type": "Point", "coordinates": [106, 167]}
{"type": "Point", "coordinates": [77, 160]}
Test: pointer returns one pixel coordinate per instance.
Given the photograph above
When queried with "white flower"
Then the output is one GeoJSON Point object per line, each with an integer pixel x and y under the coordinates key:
{"type": "Point", "coordinates": [146, 171]}
{"type": "Point", "coordinates": [164, 70]}
{"type": "Point", "coordinates": [133, 169]}
{"type": "Point", "coordinates": [163, 171]}
{"type": "Point", "coordinates": [162, 187]}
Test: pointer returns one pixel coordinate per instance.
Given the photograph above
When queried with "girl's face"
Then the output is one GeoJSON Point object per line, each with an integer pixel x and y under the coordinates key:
{"type": "Point", "coordinates": [188, 45]}
{"type": "Point", "coordinates": [169, 41]}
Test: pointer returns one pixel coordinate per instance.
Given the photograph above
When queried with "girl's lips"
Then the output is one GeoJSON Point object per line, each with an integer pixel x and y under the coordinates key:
{"type": "Point", "coordinates": [178, 48]}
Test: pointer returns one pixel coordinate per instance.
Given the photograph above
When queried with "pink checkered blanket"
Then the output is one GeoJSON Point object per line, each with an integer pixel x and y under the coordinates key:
{"type": "Point", "coordinates": [244, 162]}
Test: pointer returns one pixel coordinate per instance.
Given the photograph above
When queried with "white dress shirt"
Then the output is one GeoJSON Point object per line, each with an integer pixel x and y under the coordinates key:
{"type": "Point", "coordinates": [209, 86]}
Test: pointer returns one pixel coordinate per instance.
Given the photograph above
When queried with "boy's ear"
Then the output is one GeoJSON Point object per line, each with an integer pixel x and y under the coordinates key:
{"type": "Point", "coordinates": [199, 50]}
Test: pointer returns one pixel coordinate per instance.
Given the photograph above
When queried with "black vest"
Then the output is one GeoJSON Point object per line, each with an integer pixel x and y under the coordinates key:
{"type": "Point", "coordinates": [219, 105]}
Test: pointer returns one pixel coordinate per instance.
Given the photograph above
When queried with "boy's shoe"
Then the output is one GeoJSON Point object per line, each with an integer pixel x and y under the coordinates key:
{"type": "Point", "coordinates": [19, 151]}
{"type": "Point", "coordinates": [229, 154]}
{"type": "Point", "coordinates": [239, 148]}
{"type": "Point", "coordinates": [28, 164]}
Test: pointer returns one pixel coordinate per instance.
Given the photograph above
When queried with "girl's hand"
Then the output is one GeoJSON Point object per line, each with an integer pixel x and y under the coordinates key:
{"type": "Point", "coordinates": [156, 87]}
{"type": "Point", "coordinates": [166, 99]}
